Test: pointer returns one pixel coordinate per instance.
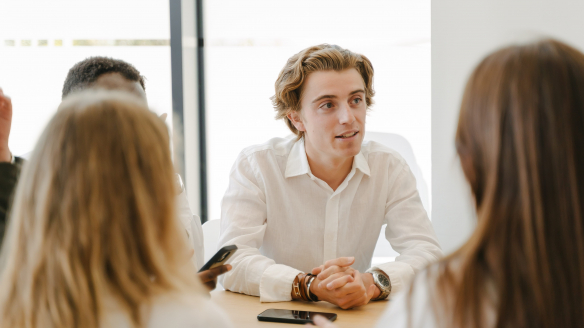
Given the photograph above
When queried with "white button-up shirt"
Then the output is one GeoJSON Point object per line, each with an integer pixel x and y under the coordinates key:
{"type": "Point", "coordinates": [193, 229]}
{"type": "Point", "coordinates": [284, 220]}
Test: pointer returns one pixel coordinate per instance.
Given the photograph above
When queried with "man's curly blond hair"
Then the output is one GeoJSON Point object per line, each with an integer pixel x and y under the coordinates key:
{"type": "Point", "coordinates": [322, 57]}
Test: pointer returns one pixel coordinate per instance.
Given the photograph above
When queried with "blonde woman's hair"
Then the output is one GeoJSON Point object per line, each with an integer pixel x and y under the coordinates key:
{"type": "Point", "coordinates": [94, 218]}
{"type": "Point", "coordinates": [324, 57]}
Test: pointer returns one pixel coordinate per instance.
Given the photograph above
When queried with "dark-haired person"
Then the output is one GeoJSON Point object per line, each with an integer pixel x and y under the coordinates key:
{"type": "Point", "coordinates": [9, 165]}
{"type": "Point", "coordinates": [316, 204]}
{"type": "Point", "coordinates": [104, 72]}
{"type": "Point", "coordinates": [520, 138]}
{"type": "Point", "coordinates": [111, 74]}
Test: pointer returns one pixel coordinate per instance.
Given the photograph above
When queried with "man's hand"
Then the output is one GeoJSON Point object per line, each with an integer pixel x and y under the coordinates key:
{"type": "Point", "coordinates": [330, 275]}
{"type": "Point", "coordinates": [345, 289]}
{"type": "Point", "coordinates": [209, 277]}
{"type": "Point", "coordinates": [5, 124]}
{"type": "Point", "coordinates": [341, 262]}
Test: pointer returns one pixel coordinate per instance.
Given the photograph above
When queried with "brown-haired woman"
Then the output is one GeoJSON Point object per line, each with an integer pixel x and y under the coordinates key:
{"type": "Point", "coordinates": [520, 140]}
{"type": "Point", "coordinates": [93, 240]}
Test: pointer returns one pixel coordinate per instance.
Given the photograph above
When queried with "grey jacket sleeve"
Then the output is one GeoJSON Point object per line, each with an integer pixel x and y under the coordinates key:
{"type": "Point", "coordinates": [9, 174]}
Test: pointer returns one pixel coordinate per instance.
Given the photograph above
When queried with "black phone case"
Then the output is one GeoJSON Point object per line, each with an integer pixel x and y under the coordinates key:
{"type": "Point", "coordinates": [219, 255]}
{"type": "Point", "coordinates": [295, 321]}
{"type": "Point", "coordinates": [282, 320]}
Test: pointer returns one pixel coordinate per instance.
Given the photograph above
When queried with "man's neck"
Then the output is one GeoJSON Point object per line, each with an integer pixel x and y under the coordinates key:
{"type": "Point", "coordinates": [333, 171]}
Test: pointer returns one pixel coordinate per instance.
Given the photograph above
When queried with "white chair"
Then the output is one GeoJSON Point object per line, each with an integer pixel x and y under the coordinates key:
{"type": "Point", "coordinates": [383, 252]}
{"type": "Point", "coordinates": [26, 156]}
{"type": "Point", "coordinates": [211, 231]}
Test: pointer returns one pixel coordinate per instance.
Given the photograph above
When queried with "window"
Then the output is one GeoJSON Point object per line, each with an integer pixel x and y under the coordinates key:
{"type": "Point", "coordinates": [41, 40]}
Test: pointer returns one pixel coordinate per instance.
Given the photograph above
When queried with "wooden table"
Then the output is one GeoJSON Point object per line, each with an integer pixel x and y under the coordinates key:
{"type": "Point", "coordinates": [243, 310]}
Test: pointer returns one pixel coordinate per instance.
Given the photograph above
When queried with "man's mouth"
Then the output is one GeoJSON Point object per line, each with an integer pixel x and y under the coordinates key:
{"type": "Point", "coordinates": [347, 135]}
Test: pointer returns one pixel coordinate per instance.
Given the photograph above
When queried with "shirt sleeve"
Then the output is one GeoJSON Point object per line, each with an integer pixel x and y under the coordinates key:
{"type": "Point", "coordinates": [192, 227]}
{"type": "Point", "coordinates": [243, 223]}
{"type": "Point", "coordinates": [409, 231]}
{"type": "Point", "coordinates": [9, 174]}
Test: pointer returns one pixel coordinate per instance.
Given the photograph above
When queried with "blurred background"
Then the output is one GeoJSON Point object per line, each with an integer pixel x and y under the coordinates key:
{"type": "Point", "coordinates": [41, 40]}
{"type": "Point", "coordinates": [246, 44]}
{"type": "Point", "coordinates": [217, 74]}
{"type": "Point", "coordinates": [463, 32]}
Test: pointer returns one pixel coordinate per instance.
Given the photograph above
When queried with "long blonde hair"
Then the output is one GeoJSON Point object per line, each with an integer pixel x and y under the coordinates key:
{"type": "Point", "coordinates": [93, 217]}
{"type": "Point", "coordinates": [520, 139]}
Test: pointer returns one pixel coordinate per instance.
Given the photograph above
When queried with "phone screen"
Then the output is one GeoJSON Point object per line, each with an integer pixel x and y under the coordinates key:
{"type": "Point", "coordinates": [292, 316]}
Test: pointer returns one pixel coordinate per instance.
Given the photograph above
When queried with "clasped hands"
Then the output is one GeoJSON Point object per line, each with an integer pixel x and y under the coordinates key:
{"type": "Point", "coordinates": [338, 283]}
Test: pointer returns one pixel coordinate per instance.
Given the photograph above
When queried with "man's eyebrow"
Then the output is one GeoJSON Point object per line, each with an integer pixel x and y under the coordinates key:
{"type": "Point", "coordinates": [333, 96]}
{"type": "Point", "coordinates": [323, 97]}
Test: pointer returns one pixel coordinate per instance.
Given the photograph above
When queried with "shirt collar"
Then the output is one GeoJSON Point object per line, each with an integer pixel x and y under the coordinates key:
{"type": "Point", "coordinates": [298, 162]}
{"type": "Point", "coordinates": [360, 163]}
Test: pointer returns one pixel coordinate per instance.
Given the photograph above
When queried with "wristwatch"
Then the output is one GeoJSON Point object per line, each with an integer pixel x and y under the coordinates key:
{"type": "Point", "coordinates": [382, 282]}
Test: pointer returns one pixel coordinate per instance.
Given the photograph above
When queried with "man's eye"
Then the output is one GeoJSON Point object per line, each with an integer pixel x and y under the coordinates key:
{"type": "Point", "coordinates": [357, 100]}
{"type": "Point", "coordinates": [327, 105]}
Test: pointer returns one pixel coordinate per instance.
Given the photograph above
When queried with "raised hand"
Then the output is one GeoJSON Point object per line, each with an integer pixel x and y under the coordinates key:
{"type": "Point", "coordinates": [5, 125]}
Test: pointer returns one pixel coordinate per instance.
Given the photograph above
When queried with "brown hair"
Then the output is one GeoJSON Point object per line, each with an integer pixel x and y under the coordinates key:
{"type": "Point", "coordinates": [93, 218]}
{"type": "Point", "coordinates": [520, 139]}
{"type": "Point", "coordinates": [323, 57]}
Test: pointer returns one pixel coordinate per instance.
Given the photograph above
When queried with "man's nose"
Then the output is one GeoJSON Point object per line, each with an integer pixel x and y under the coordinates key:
{"type": "Point", "coordinates": [346, 115]}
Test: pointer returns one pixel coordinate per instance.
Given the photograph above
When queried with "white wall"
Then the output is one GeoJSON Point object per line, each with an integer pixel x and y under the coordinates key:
{"type": "Point", "coordinates": [463, 32]}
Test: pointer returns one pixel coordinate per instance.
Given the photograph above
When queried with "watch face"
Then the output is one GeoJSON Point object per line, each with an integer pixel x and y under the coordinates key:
{"type": "Point", "coordinates": [383, 280]}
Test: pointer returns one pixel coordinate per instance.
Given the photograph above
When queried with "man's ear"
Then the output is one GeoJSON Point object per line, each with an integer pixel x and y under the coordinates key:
{"type": "Point", "coordinates": [296, 120]}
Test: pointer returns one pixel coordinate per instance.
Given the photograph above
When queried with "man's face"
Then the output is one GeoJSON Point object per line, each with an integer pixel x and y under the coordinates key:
{"type": "Point", "coordinates": [332, 114]}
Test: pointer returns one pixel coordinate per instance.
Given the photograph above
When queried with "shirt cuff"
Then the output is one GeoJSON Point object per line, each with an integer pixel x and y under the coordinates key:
{"type": "Point", "coordinates": [276, 283]}
{"type": "Point", "coordinates": [400, 275]}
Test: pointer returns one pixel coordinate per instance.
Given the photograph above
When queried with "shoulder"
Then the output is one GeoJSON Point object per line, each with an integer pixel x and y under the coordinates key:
{"type": "Point", "coordinates": [274, 146]}
{"type": "Point", "coordinates": [421, 304]}
{"type": "Point", "coordinates": [413, 305]}
{"type": "Point", "coordinates": [376, 153]}
{"type": "Point", "coordinates": [185, 310]}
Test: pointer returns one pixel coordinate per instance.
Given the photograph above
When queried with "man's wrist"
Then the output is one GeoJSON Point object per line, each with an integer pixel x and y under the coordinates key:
{"type": "Point", "coordinates": [382, 282]}
{"type": "Point", "coordinates": [368, 280]}
{"type": "Point", "coordinates": [295, 293]}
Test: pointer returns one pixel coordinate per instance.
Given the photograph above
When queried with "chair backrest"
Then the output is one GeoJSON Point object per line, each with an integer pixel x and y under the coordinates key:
{"type": "Point", "coordinates": [383, 251]}
{"type": "Point", "coordinates": [403, 147]}
{"type": "Point", "coordinates": [211, 230]}
{"type": "Point", "coordinates": [26, 156]}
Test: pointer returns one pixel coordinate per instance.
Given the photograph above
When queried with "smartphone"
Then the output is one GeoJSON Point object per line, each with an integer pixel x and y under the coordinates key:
{"type": "Point", "coordinates": [219, 258]}
{"type": "Point", "coordinates": [293, 316]}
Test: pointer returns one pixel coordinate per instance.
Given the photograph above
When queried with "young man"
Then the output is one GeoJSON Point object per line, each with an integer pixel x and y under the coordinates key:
{"type": "Point", "coordinates": [113, 74]}
{"type": "Point", "coordinates": [316, 204]}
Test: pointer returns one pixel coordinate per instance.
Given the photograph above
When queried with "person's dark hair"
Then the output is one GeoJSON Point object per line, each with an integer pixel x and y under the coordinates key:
{"type": "Point", "coordinates": [87, 71]}
{"type": "Point", "coordinates": [520, 139]}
